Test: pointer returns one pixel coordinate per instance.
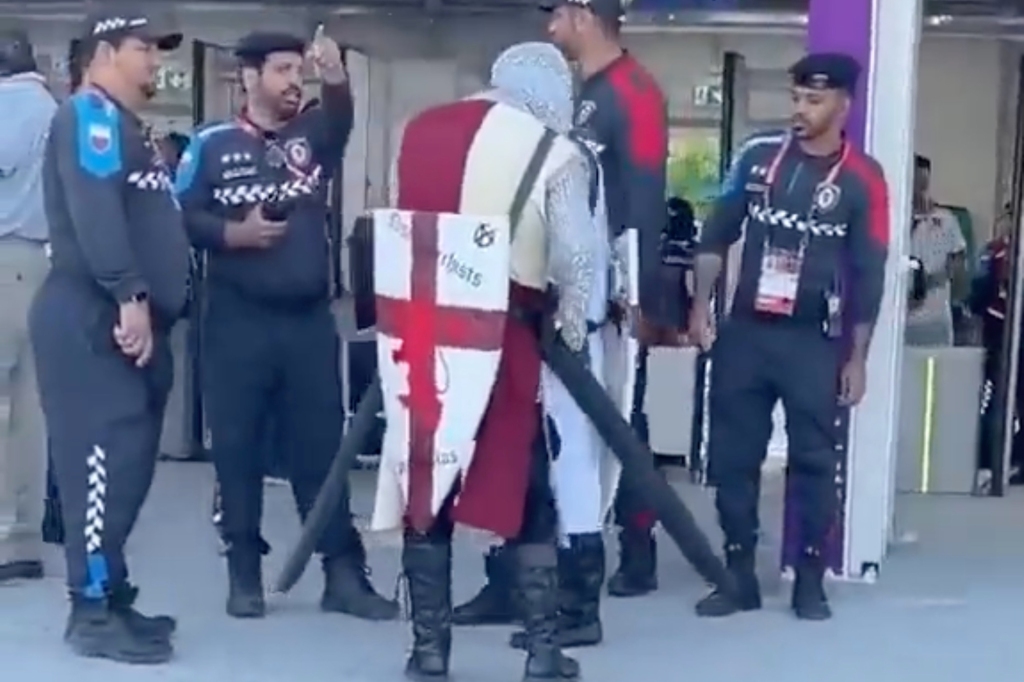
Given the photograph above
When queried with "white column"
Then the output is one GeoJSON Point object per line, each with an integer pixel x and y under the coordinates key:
{"type": "Point", "coordinates": [890, 138]}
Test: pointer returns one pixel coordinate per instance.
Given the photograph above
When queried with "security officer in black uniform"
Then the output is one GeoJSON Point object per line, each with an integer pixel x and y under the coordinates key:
{"type": "Point", "coordinates": [253, 190]}
{"type": "Point", "coordinates": [100, 323]}
{"type": "Point", "coordinates": [811, 275]}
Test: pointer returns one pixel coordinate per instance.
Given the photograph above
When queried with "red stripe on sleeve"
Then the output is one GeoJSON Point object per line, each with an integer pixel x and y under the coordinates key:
{"type": "Point", "coordinates": [643, 106]}
{"type": "Point", "coordinates": [877, 193]}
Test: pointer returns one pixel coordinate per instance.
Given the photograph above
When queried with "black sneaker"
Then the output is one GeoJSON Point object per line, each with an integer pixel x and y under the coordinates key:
{"type": "Point", "coordinates": [122, 602]}
{"type": "Point", "coordinates": [94, 631]}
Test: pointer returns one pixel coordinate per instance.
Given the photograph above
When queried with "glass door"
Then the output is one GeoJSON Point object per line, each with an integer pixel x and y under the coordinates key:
{"type": "Point", "coordinates": [732, 101]}
{"type": "Point", "coordinates": [216, 95]}
{"type": "Point", "coordinates": [1003, 442]}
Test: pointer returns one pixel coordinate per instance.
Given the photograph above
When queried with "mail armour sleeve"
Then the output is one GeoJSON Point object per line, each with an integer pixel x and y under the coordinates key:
{"type": "Point", "coordinates": [331, 124]}
{"type": "Point", "coordinates": [868, 240]}
{"type": "Point", "coordinates": [572, 247]}
{"type": "Point", "coordinates": [643, 143]}
{"type": "Point", "coordinates": [88, 149]}
{"type": "Point", "coordinates": [195, 193]}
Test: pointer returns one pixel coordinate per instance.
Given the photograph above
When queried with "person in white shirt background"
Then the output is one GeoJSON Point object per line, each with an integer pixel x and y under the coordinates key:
{"type": "Point", "coordinates": [938, 245]}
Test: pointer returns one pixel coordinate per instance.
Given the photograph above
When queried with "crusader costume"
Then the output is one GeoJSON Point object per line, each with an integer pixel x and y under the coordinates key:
{"type": "Point", "coordinates": [805, 218]}
{"type": "Point", "coordinates": [117, 238]}
{"type": "Point", "coordinates": [494, 154]}
{"type": "Point", "coordinates": [620, 114]}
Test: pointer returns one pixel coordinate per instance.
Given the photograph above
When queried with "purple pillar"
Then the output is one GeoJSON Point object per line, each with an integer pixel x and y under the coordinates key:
{"type": "Point", "coordinates": [836, 26]}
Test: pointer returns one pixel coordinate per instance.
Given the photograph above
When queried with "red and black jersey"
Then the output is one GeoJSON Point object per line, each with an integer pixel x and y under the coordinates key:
{"type": "Point", "coordinates": [622, 110]}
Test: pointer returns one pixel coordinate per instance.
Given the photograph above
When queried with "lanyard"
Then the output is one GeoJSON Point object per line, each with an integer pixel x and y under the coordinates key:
{"type": "Point", "coordinates": [277, 156]}
{"type": "Point", "coordinates": [827, 184]}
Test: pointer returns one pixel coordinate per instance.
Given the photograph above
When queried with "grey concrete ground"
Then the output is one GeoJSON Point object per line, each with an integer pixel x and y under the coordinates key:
{"type": "Point", "coordinates": [948, 608]}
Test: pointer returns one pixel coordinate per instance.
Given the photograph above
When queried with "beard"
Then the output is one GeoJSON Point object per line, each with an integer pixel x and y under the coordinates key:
{"type": "Point", "coordinates": [287, 104]}
{"type": "Point", "coordinates": [149, 91]}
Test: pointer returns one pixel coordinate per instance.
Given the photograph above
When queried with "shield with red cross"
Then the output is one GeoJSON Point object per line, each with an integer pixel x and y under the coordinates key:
{"type": "Point", "coordinates": [442, 286]}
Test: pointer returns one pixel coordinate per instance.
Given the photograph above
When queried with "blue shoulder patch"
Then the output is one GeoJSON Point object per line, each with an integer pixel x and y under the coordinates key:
{"type": "Point", "coordinates": [735, 179]}
{"type": "Point", "coordinates": [188, 166]}
{"type": "Point", "coordinates": [98, 122]}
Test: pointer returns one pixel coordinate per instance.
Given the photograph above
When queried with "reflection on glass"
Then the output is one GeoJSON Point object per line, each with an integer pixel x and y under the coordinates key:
{"type": "Point", "coordinates": [693, 166]}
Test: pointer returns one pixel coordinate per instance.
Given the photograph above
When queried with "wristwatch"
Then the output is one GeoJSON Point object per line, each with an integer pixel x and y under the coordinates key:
{"type": "Point", "coordinates": [140, 297]}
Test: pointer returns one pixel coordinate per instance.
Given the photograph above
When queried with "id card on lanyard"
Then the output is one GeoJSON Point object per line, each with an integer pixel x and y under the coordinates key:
{"type": "Point", "coordinates": [778, 283]}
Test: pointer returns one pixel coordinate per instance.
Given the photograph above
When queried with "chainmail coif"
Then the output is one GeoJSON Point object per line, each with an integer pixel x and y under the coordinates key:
{"type": "Point", "coordinates": [536, 76]}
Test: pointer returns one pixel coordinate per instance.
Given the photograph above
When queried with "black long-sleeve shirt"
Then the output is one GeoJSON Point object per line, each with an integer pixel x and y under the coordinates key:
{"type": "Point", "coordinates": [109, 202]}
{"type": "Point", "coordinates": [845, 223]}
{"type": "Point", "coordinates": [622, 110]}
{"type": "Point", "coordinates": [230, 167]}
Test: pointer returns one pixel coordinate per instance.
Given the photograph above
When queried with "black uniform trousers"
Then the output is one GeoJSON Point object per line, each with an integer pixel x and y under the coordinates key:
{"type": "Point", "coordinates": [104, 417]}
{"type": "Point", "coordinates": [262, 362]}
{"type": "Point", "coordinates": [632, 510]}
{"type": "Point", "coordinates": [755, 363]}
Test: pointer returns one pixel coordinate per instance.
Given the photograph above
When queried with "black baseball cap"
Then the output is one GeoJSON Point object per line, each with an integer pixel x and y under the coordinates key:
{"type": "Point", "coordinates": [113, 21]}
{"type": "Point", "coordinates": [611, 10]}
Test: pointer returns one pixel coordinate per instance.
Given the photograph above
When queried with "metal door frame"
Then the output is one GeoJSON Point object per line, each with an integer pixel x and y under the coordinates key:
{"type": "Point", "coordinates": [1005, 394]}
{"type": "Point", "coordinates": [732, 65]}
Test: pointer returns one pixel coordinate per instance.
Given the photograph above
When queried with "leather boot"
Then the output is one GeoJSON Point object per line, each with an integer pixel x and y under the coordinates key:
{"type": "Point", "coordinates": [122, 602]}
{"type": "Point", "coordinates": [747, 594]}
{"type": "Point", "coordinates": [347, 587]}
{"type": "Point", "coordinates": [637, 574]}
{"type": "Point", "coordinates": [809, 600]}
{"type": "Point", "coordinates": [581, 571]}
{"type": "Point", "coordinates": [537, 580]}
{"type": "Point", "coordinates": [495, 603]}
{"type": "Point", "coordinates": [94, 631]}
{"type": "Point", "coordinates": [245, 581]}
{"type": "Point", "coordinates": [428, 570]}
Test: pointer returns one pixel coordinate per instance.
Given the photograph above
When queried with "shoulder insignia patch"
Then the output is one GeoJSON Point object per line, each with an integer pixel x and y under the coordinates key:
{"type": "Point", "coordinates": [98, 145]}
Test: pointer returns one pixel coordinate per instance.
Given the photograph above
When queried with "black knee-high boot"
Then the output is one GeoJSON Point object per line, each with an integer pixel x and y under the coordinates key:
{"type": "Point", "coordinates": [537, 581]}
{"type": "Point", "coordinates": [581, 571]}
{"type": "Point", "coordinates": [427, 564]}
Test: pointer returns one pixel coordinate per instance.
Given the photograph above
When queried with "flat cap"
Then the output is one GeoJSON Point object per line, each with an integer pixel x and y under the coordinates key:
{"type": "Point", "coordinates": [254, 47]}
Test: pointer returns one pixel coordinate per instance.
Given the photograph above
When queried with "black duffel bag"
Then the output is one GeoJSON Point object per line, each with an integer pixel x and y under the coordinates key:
{"type": "Point", "coordinates": [360, 266]}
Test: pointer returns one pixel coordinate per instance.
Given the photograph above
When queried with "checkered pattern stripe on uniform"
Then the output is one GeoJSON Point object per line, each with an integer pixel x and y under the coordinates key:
{"type": "Point", "coordinates": [151, 181]}
{"type": "Point", "coordinates": [791, 221]}
{"type": "Point", "coordinates": [246, 194]}
{"type": "Point", "coordinates": [96, 499]}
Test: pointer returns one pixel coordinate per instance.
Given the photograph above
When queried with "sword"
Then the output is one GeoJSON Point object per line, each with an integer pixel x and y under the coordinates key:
{"type": "Point", "coordinates": [363, 422]}
{"type": "Point", "coordinates": [637, 465]}
{"type": "Point", "coordinates": [637, 461]}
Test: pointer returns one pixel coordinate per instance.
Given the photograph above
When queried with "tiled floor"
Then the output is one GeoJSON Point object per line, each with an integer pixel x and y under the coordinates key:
{"type": "Point", "coordinates": [948, 608]}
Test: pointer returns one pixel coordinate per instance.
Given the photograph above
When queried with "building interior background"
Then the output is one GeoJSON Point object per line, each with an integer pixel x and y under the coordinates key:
{"type": "Point", "coordinates": [405, 58]}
